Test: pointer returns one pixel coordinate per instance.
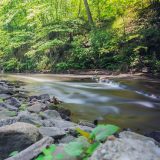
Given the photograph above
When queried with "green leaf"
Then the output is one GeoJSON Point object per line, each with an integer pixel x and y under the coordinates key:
{"type": "Point", "coordinates": [74, 149]}
{"type": "Point", "coordinates": [92, 148]}
{"type": "Point", "coordinates": [59, 156]}
{"type": "Point", "coordinates": [101, 132]}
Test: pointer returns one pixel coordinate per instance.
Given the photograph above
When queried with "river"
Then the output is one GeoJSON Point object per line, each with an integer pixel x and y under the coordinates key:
{"type": "Point", "coordinates": [128, 102]}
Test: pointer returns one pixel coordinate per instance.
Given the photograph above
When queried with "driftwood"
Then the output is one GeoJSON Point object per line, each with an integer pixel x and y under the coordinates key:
{"type": "Point", "coordinates": [32, 151]}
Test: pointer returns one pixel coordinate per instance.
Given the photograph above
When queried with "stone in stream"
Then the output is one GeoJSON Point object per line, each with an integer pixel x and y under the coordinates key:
{"type": "Point", "coordinates": [4, 96]}
{"type": "Point", "coordinates": [65, 113]}
{"type": "Point", "coordinates": [16, 137]}
{"type": "Point", "coordinates": [8, 106]}
{"type": "Point", "coordinates": [53, 132]}
{"type": "Point", "coordinates": [50, 114]}
{"type": "Point", "coordinates": [44, 97]}
{"type": "Point", "coordinates": [130, 146]}
{"type": "Point", "coordinates": [13, 102]}
{"type": "Point", "coordinates": [37, 107]}
{"type": "Point", "coordinates": [155, 135]}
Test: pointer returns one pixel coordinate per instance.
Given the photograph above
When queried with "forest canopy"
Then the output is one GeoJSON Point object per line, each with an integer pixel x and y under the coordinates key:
{"type": "Point", "coordinates": [57, 35]}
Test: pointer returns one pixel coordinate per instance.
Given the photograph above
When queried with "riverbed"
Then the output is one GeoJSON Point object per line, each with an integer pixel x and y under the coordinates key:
{"type": "Point", "coordinates": [130, 102]}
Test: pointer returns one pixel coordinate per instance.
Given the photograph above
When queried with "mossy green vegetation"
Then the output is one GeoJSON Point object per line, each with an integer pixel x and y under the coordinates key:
{"type": "Point", "coordinates": [118, 35]}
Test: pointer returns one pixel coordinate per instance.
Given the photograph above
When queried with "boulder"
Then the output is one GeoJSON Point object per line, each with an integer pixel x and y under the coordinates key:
{"type": "Point", "coordinates": [130, 146]}
{"type": "Point", "coordinates": [13, 102]}
{"type": "Point", "coordinates": [53, 132]}
{"type": "Point", "coordinates": [37, 107]}
{"type": "Point", "coordinates": [16, 137]}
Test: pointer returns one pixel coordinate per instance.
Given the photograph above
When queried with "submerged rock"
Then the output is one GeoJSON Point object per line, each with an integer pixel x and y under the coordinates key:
{"type": "Point", "coordinates": [16, 137]}
{"type": "Point", "coordinates": [130, 146]}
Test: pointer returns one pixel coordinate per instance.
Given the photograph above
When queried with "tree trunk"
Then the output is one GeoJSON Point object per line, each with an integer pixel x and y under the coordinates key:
{"type": "Point", "coordinates": [89, 15]}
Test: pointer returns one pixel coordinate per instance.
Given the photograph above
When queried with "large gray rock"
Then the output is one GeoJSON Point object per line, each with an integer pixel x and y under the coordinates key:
{"type": "Point", "coordinates": [130, 146]}
{"type": "Point", "coordinates": [16, 137]}
{"type": "Point", "coordinates": [37, 107]}
{"type": "Point", "coordinates": [53, 132]}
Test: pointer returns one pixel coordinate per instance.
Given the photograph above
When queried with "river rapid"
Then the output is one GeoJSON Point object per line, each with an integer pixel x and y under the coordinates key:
{"type": "Point", "coordinates": [130, 102]}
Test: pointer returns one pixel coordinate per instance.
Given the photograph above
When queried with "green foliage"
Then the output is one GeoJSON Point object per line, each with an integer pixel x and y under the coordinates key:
{"type": "Point", "coordinates": [14, 153]}
{"type": "Point", "coordinates": [55, 35]}
{"type": "Point", "coordinates": [101, 132]}
{"type": "Point", "coordinates": [83, 147]}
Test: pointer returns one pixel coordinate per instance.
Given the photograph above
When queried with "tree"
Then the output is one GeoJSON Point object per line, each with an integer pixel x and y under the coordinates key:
{"type": "Point", "coordinates": [88, 11]}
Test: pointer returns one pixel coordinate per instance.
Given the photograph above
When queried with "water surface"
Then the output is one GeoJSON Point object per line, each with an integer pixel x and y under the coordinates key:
{"type": "Point", "coordinates": [128, 102]}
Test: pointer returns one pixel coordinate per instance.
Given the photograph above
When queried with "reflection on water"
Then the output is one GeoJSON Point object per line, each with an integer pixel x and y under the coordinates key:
{"type": "Point", "coordinates": [132, 103]}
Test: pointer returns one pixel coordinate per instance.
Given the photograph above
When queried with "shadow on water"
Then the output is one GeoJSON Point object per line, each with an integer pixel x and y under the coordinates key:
{"type": "Point", "coordinates": [129, 103]}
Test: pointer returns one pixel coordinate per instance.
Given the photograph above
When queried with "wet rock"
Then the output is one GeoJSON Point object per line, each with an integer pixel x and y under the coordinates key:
{"type": "Point", "coordinates": [53, 132]}
{"type": "Point", "coordinates": [8, 106]}
{"type": "Point", "coordinates": [33, 97]}
{"type": "Point", "coordinates": [155, 135]}
{"type": "Point", "coordinates": [65, 113]}
{"type": "Point", "coordinates": [13, 102]}
{"type": "Point", "coordinates": [16, 137]}
{"type": "Point", "coordinates": [37, 107]}
{"type": "Point", "coordinates": [130, 146]}
{"type": "Point", "coordinates": [50, 114]}
{"type": "Point", "coordinates": [44, 97]}
{"type": "Point", "coordinates": [33, 150]}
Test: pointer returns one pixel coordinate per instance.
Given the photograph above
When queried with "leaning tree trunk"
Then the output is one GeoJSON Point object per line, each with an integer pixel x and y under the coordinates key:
{"type": "Point", "coordinates": [89, 15]}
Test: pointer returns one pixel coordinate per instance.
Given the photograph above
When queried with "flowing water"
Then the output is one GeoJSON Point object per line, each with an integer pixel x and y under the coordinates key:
{"type": "Point", "coordinates": [128, 102]}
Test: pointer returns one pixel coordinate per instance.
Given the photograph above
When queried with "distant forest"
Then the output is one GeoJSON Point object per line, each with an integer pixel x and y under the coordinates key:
{"type": "Point", "coordinates": [58, 35]}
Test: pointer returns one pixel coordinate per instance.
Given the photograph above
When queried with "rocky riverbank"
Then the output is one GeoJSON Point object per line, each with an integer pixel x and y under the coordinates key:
{"type": "Point", "coordinates": [30, 123]}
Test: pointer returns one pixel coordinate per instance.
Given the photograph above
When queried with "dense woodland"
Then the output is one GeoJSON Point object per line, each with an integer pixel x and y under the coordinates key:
{"type": "Point", "coordinates": [58, 35]}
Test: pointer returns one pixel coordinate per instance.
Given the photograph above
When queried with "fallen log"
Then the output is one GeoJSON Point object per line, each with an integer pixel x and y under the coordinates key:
{"type": "Point", "coordinates": [34, 150]}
